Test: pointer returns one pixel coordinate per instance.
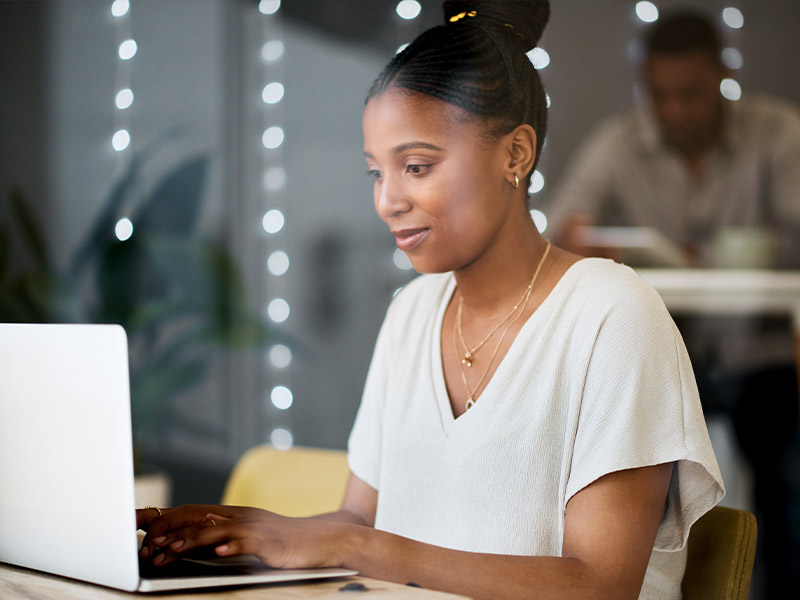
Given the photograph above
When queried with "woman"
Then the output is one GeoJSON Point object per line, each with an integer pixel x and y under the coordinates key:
{"type": "Point", "coordinates": [530, 424]}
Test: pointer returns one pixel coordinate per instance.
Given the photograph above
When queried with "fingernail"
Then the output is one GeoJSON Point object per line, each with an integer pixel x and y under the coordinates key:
{"type": "Point", "coordinates": [160, 540]}
{"type": "Point", "coordinates": [177, 545]}
{"type": "Point", "coordinates": [145, 552]}
{"type": "Point", "coordinates": [159, 559]}
{"type": "Point", "coordinates": [222, 549]}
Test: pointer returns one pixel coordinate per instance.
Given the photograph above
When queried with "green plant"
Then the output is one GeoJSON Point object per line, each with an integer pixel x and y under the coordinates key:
{"type": "Point", "coordinates": [179, 295]}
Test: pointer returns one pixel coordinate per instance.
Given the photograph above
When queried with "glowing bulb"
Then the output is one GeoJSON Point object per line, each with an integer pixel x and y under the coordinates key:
{"type": "Point", "coordinates": [121, 140]}
{"type": "Point", "coordinates": [124, 98]}
{"type": "Point", "coordinates": [123, 229]}
{"type": "Point", "coordinates": [272, 138]}
{"type": "Point", "coordinates": [127, 49]}
{"type": "Point", "coordinates": [730, 89]}
{"type": "Point", "coordinates": [408, 9]}
{"type": "Point", "coordinates": [269, 7]}
{"type": "Point", "coordinates": [401, 261]}
{"type": "Point", "coordinates": [539, 58]}
{"type": "Point", "coordinates": [281, 439]}
{"type": "Point", "coordinates": [120, 8]}
{"type": "Point", "coordinates": [732, 58]}
{"type": "Point", "coordinates": [537, 183]}
{"type": "Point", "coordinates": [733, 17]}
{"type": "Point", "coordinates": [280, 356]}
{"type": "Point", "coordinates": [272, 93]}
{"type": "Point", "coordinates": [647, 12]}
{"type": "Point", "coordinates": [539, 219]}
{"type": "Point", "coordinates": [273, 221]}
{"type": "Point", "coordinates": [278, 310]}
{"type": "Point", "coordinates": [278, 262]}
{"type": "Point", "coordinates": [275, 178]}
{"type": "Point", "coordinates": [272, 50]}
{"type": "Point", "coordinates": [281, 397]}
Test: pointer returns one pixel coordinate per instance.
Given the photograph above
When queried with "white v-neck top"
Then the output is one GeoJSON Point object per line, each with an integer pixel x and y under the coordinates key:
{"type": "Point", "coordinates": [596, 381]}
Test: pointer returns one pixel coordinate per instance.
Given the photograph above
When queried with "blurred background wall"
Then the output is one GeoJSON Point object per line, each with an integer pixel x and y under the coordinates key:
{"type": "Point", "coordinates": [292, 205]}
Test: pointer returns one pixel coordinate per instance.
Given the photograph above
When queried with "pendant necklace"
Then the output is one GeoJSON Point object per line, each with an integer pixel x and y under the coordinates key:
{"type": "Point", "coordinates": [469, 354]}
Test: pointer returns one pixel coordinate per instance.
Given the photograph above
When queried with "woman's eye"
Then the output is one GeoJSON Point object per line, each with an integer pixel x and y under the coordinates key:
{"type": "Point", "coordinates": [374, 173]}
{"type": "Point", "coordinates": [417, 169]}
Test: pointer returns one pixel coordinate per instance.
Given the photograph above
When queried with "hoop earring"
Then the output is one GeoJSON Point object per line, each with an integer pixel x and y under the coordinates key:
{"type": "Point", "coordinates": [516, 182]}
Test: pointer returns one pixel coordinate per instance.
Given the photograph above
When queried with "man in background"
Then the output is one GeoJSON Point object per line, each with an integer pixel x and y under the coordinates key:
{"type": "Point", "coordinates": [721, 181]}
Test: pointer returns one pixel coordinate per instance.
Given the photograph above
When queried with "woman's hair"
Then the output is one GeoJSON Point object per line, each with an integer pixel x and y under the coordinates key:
{"type": "Point", "coordinates": [477, 61]}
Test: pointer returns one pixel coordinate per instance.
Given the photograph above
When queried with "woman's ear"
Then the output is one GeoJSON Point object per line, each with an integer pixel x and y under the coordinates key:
{"type": "Point", "coordinates": [521, 148]}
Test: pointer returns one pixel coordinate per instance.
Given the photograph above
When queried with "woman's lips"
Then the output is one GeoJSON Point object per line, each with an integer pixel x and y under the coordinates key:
{"type": "Point", "coordinates": [410, 238]}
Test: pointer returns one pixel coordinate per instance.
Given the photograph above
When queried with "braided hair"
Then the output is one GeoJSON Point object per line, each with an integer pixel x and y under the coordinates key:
{"type": "Point", "coordinates": [477, 61]}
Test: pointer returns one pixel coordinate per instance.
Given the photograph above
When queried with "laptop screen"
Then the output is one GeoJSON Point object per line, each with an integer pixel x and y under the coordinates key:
{"type": "Point", "coordinates": [66, 458]}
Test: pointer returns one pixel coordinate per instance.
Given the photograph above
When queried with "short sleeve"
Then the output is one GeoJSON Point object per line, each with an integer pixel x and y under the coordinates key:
{"type": "Point", "coordinates": [640, 407]}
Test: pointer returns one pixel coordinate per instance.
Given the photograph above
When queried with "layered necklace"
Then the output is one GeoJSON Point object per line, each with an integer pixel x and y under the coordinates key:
{"type": "Point", "coordinates": [512, 317]}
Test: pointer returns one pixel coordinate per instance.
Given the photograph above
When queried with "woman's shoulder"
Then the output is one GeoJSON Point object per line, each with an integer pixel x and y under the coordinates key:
{"type": "Point", "coordinates": [606, 284]}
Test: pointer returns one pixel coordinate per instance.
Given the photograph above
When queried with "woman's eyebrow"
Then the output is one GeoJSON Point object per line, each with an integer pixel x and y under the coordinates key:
{"type": "Point", "coordinates": [413, 146]}
{"type": "Point", "coordinates": [409, 146]}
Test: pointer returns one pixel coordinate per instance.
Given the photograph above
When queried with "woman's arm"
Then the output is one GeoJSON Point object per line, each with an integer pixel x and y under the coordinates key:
{"type": "Point", "coordinates": [610, 527]}
{"type": "Point", "coordinates": [358, 506]}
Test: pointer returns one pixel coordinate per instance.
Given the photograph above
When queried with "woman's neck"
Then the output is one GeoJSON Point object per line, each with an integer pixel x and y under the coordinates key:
{"type": "Point", "coordinates": [492, 284]}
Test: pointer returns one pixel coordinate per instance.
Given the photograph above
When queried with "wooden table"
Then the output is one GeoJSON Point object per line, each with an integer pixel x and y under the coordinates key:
{"type": "Point", "coordinates": [729, 291]}
{"type": "Point", "coordinates": [24, 584]}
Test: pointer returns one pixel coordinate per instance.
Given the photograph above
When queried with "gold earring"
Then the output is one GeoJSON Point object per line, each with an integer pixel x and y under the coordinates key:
{"type": "Point", "coordinates": [516, 182]}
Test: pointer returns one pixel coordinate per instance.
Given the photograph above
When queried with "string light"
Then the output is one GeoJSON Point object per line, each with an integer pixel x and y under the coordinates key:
{"type": "Point", "coordinates": [273, 221]}
{"type": "Point", "coordinates": [279, 396]}
{"type": "Point", "coordinates": [280, 356]}
{"type": "Point", "coordinates": [539, 58]}
{"type": "Point", "coordinates": [537, 183]}
{"type": "Point", "coordinates": [539, 219]}
{"type": "Point", "coordinates": [733, 17]}
{"type": "Point", "coordinates": [120, 8]}
{"type": "Point", "coordinates": [269, 7]}
{"type": "Point", "coordinates": [278, 263]}
{"type": "Point", "coordinates": [278, 310]}
{"type": "Point", "coordinates": [647, 12]}
{"type": "Point", "coordinates": [281, 438]}
{"type": "Point", "coordinates": [123, 229]}
{"type": "Point", "coordinates": [124, 98]}
{"type": "Point", "coordinates": [121, 140]}
{"type": "Point", "coordinates": [408, 9]}
{"type": "Point", "coordinates": [401, 261]}
{"type": "Point", "coordinates": [730, 88]}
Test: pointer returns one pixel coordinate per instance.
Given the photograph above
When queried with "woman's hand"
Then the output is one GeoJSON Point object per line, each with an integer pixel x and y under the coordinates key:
{"type": "Point", "coordinates": [279, 542]}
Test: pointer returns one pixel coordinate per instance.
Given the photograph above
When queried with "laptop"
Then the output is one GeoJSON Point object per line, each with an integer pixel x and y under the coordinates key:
{"type": "Point", "coordinates": [66, 465]}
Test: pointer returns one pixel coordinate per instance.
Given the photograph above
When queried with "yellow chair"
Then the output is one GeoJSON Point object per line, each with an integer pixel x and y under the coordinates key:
{"type": "Point", "coordinates": [722, 547]}
{"type": "Point", "coordinates": [298, 482]}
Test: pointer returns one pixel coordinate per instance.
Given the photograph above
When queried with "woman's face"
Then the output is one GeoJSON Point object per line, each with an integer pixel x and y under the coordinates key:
{"type": "Point", "coordinates": [440, 181]}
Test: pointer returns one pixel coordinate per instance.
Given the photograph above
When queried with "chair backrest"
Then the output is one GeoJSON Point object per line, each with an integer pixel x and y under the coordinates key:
{"type": "Point", "coordinates": [298, 482]}
{"type": "Point", "coordinates": [722, 547]}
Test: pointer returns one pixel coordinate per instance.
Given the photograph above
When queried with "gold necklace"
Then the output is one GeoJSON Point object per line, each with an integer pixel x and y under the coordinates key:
{"type": "Point", "coordinates": [468, 356]}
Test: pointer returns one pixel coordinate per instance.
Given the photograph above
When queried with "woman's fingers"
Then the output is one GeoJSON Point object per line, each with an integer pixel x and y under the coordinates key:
{"type": "Point", "coordinates": [209, 533]}
{"type": "Point", "coordinates": [161, 527]}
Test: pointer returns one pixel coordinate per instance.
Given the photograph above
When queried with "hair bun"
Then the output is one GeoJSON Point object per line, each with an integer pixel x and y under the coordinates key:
{"type": "Point", "coordinates": [523, 20]}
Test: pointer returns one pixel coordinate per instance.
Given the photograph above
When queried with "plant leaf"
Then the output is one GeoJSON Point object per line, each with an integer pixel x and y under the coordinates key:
{"type": "Point", "coordinates": [153, 388]}
{"type": "Point", "coordinates": [102, 231]}
{"type": "Point", "coordinates": [5, 254]}
{"type": "Point", "coordinates": [174, 206]}
{"type": "Point", "coordinates": [126, 279]}
{"type": "Point", "coordinates": [30, 230]}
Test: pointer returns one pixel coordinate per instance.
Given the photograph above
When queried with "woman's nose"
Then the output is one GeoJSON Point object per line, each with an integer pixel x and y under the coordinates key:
{"type": "Point", "coordinates": [390, 198]}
